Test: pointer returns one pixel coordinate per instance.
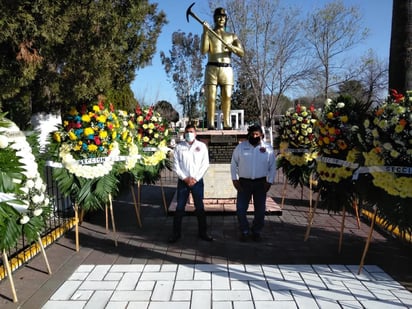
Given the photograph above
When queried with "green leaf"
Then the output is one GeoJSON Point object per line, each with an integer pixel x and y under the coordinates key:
{"type": "Point", "coordinates": [9, 228]}
{"type": "Point", "coordinates": [33, 228]}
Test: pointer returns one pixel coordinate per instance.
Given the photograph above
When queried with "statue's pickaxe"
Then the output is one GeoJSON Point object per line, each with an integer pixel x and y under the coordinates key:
{"type": "Point", "coordinates": [189, 12]}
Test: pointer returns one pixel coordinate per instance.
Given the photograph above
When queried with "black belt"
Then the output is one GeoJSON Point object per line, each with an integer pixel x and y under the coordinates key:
{"type": "Point", "coordinates": [250, 179]}
{"type": "Point", "coordinates": [220, 64]}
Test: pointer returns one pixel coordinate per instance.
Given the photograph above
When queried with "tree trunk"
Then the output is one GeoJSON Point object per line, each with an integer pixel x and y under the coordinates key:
{"type": "Point", "coordinates": [400, 59]}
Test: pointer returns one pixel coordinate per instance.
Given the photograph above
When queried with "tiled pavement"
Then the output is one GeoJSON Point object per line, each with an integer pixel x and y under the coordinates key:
{"type": "Point", "coordinates": [204, 286]}
{"type": "Point", "coordinates": [282, 268]}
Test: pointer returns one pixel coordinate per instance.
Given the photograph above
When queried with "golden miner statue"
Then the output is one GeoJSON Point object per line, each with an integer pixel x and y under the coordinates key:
{"type": "Point", "coordinates": [219, 45]}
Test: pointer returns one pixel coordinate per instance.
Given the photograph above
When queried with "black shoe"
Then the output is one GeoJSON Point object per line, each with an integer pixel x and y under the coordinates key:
{"type": "Point", "coordinates": [174, 238]}
{"type": "Point", "coordinates": [244, 237]}
{"type": "Point", "coordinates": [211, 128]}
{"type": "Point", "coordinates": [205, 237]}
{"type": "Point", "coordinates": [227, 128]}
{"type": "Point", "coordinates": [256, 237]}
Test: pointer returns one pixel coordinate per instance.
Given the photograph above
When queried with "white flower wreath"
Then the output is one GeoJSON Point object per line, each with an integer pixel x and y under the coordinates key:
{"type": "Point", "coordinates": [33, 196]}
{"type": "Point", "coordinates": [92, 168]}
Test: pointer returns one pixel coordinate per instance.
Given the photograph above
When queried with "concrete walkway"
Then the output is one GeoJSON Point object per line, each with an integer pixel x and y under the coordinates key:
{"type": "Point", "coordinates": [282, 271]}
{"type": "Point", "coordinates": [204, 286]}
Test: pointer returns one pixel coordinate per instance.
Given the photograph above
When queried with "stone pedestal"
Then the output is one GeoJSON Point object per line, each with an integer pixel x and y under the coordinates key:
{"type": "Point", "coordinates": [220, 143]}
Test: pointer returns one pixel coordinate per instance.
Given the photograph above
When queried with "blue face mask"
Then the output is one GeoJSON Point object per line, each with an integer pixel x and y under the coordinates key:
{"type": "Point", "coordinates": [189, 137]}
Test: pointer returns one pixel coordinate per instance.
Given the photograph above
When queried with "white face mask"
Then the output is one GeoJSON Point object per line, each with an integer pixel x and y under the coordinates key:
{"type": "Point", "coordinates": [189, 137]}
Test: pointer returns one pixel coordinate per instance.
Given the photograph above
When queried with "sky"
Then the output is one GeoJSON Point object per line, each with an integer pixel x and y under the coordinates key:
{"type": "Point", "coordinates": [152, 84]}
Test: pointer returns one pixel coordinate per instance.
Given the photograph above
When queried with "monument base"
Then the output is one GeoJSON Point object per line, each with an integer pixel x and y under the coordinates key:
{"type": "Point", "coordinates": [220, 144]}
{"type": "Point", "coordinates": [218, 182]}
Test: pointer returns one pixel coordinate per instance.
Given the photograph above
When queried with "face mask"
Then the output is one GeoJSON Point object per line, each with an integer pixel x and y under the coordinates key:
{"type": "Point", "coordinates": [189, 137]}
{"type": "Point", "coordinates": [254, 140]}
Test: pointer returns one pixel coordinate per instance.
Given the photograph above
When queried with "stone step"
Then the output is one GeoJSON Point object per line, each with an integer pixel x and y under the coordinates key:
{"type": "Point", "coordinates": [224, 206]}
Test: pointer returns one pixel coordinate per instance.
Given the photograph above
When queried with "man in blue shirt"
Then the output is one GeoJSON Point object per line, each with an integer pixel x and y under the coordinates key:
{"type": "Point", "coordinates": [253, 168]}
{"type": "Point", "coordinates": [191, 161]}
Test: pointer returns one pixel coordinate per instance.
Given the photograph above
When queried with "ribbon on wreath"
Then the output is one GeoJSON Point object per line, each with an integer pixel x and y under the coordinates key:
{"type": "Point", "coordinates": [99, 160]}
{"type": "Point", "coordinates": [382, 169]}
{"type": "Point", "coordinates": [295, 150]}
{"type": "Point", "coordinates": [338, 162]}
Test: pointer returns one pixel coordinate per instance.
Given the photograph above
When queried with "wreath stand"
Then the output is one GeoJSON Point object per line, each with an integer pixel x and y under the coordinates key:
{"type": "Point", "coordinates": [137, 199]}
{"type": "Point", "coordinates": [312, 209]}
{"type": "Point", "coordinates": [112, 219]}
{"type": "Point", "coordinates": [77, 220]}
{"type": "Point", "coordinates": [10, 273]}
{"type": "Point", "coordinates": [311, 216]}
{"type": "Point", "coordinates": [76, 224]}
{"type": "Point", "coordinates": [285, 184]}
{"type": "Point", "coordinates": [365, 250]}
{"type": "Point", "coordinates": [109, 208]}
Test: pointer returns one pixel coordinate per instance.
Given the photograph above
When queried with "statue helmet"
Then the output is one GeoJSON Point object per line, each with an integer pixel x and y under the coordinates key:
{"type": "Point", "coordinates": [219, 12]}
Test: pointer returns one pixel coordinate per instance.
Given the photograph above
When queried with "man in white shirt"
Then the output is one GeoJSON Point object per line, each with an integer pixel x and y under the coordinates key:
{"type": "Point", "coordinates": [191, 161]}
{"type": "Point", "coordinates": [253, 168]}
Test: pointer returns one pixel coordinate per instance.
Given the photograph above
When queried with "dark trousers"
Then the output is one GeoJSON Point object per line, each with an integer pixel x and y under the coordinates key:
{"type": "Point", "coordinates": [183, 192]}
{"type": "Point", "coordinates": [255, 189]}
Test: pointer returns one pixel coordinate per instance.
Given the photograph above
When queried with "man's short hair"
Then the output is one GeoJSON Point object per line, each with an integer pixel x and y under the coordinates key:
{"type": "Point", "coordinates": [190, 126]}
{"type": "Point", "coordinates": [254, 128]}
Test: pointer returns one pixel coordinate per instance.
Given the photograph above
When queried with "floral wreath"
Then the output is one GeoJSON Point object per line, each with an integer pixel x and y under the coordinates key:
{"type": "Point", "coordinates": [152, 137]}
{"type": "Point", "coordinates": [126, 137]}
{"type": "Point", "coordinates": [338, 152]}
{"type": "Point", "coordinates": [152, 130]}
{"type": "Point", "coordinates": [386, 177]}
{"type": "Point", "coordinates": [297, 144]}
{"type": "Point", "coordinates": [86, 136]}
{"type": "Point", "coordinates": [88, 149]}
{"type": "Point", "coordinates": [24, 203]}
{"type": "Point", "coordinates": [387, 137]}
{"type": "Point", "coordinates": [336, 135]}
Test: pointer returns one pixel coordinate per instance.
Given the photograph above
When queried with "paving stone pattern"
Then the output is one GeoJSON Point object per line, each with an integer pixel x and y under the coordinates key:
{"type": "Point", "coordinates": [229, 286]}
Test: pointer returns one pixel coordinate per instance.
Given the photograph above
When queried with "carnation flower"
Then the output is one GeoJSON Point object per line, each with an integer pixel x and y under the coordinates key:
{"type": "Point", "coordinates": [24, 219]}
{"type": "Point", "coordinates": [37, 212]}
{"type": "Point", "coordinates": [4, 141]}
{"type": "Point", "coordinates": [37, 199]}
{"type": "Point", "coordinates": [30, 183]}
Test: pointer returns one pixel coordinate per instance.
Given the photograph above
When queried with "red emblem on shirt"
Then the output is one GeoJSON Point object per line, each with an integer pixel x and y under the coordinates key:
{"type": "Point", "coordinates": [262, 149]}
